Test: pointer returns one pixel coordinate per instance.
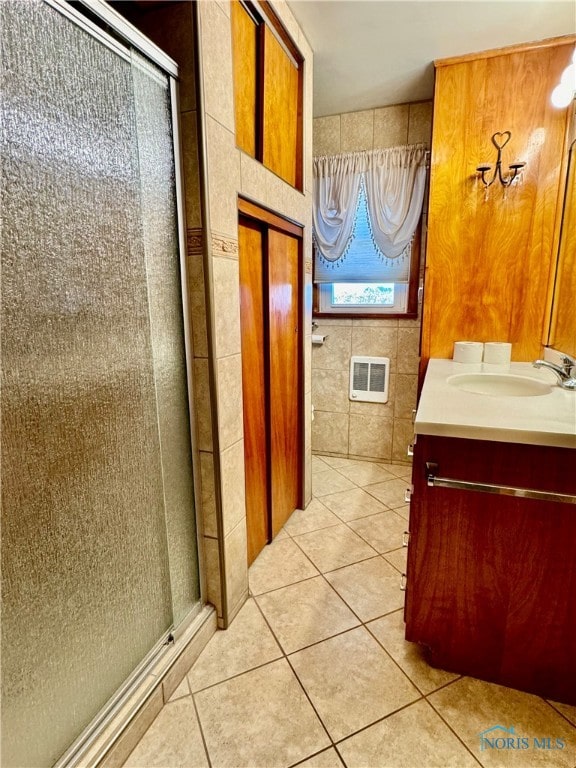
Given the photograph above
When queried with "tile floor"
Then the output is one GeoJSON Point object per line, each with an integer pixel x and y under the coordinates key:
{"type": "Point", "coordinates": [315, 671]}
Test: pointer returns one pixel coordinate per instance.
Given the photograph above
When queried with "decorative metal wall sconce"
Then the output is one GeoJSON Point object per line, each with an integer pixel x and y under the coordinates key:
{"type": "Point", "coordinates": [500, 139]}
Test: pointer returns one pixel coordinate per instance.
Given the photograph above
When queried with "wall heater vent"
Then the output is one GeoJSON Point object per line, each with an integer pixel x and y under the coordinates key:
{"type": "Point", "coordinates": [369, 379]}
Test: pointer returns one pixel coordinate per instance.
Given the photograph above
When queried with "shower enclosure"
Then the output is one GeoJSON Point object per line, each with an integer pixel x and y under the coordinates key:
{"type": "Point", "coordinates": [99, 547]}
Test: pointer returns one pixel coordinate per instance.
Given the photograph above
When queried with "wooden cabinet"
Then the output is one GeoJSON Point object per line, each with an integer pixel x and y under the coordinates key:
{"type": "Point", "coordinates": [490, 256]}
{"type": "Point", "coordinates": [267, 90]}
{"type": "Point", "coordinates": [491, 580]}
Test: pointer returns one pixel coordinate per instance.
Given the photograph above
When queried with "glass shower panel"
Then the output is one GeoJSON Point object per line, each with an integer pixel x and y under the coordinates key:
{"type": "Point", "coordinates": [87, 447]}
{"type": "Point", "coordinates": [160, 237]}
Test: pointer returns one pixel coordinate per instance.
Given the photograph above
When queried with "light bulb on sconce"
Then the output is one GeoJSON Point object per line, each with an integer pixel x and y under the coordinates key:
{"type": "Point", "coordinates": [565, 91]}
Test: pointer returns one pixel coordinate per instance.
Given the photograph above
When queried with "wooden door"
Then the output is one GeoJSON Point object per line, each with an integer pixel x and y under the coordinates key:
{"type": "Point", "coordinates": [284, 385]}
{"type": "Point", "coordinates": [253, 384]}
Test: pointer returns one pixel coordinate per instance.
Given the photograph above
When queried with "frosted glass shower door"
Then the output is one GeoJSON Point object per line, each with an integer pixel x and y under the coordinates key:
{"type": "Point", "coordinates": [99, 553]}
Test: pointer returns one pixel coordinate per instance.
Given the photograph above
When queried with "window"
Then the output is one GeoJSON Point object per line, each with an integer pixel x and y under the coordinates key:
{"type": "Point", "coordinates": [364, 282]}
{"type": "Point", "coordinates": [363, 298]}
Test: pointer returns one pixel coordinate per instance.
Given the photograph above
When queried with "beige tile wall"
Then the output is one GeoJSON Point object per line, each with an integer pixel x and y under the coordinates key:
{"type": "Point", "coordinates": [353, 429]}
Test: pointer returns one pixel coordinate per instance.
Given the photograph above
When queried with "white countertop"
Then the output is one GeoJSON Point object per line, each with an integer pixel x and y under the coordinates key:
{"type": "Point", "coordinates": [450, 412]}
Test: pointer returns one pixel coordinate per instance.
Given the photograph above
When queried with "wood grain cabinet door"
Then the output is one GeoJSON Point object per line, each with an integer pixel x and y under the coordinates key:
{"type": "Point", "coordinates": [492, 579]}
{"type": "Point", "coordinates": [282, 114]}
{"type": "Point", "coordinates": [245, 58]}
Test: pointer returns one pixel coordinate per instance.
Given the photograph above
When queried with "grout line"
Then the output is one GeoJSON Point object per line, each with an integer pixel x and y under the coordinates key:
{"type": "Point", "coordinates": [340, 756]}
{"type": "Point", "coordinates": [349, 565]}
{"type": "Point", "coordinates": [292, 583]}
{"type": "Point", "coordinates": [558, 712]}
{"type": "Point", "coordinates": [310, 701]}
{"type": "Point", "coordinates": [244, 671]}
{"type": "Point", "coordinates": [377, 722]}
{"type": "Point", "coordinates": [285, 656]}
{"type": "Point", "coordinates": [446, 723]}
{"type": "Point", "coordinates": [325, 639]}
{"type": "Point", "coordinates": [310, 757]}
{"type": "Point", "coordinates": [391, 563]}
{"type": "Point", "coordinates": [362, 624]}
{"type": "Point", "coordinates": [362, 559]}
{"type": "Point", "coordinates": [201, 732]}
{"type": "Point", "coordinates": [312, 530]}
{"type": "Point", "coordinates": [387, 652]}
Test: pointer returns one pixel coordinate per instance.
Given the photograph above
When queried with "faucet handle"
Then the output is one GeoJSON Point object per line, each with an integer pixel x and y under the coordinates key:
{"type": "Point", "coordinates": [568, 363]}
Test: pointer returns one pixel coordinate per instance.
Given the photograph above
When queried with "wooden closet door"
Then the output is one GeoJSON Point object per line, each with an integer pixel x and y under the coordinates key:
{"type": "Point", "coordinates": [252, 320]}
{"type": "Point", "coordinates": [284, 383]}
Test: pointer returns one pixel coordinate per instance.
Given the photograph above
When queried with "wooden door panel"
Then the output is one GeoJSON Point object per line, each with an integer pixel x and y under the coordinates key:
{"type": "Point", "coordinates": [245, 48]}
{"type": "Point", "coordinates": [253, 384]}
{"type": "Point", "coordinates": [281, 111]}
{"type": "Point", "coordinates": [284, 364]}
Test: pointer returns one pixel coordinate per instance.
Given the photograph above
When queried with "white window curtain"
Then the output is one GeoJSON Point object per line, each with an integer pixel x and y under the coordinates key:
{"type": "Point", "coordinates": [393, 180]}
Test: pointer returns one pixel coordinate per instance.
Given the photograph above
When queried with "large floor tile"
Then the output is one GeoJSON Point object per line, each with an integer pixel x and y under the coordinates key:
{"type": "Point", "coordinates": [261, 719]}
{"type": "Point", "coordinates": [415, 736]}
{"type": "Point", "coordinates": [389, 631]}
{"type": "Point", "coordinates": [334, 547]}
{"type": "Point", "coordinates": [173, 740]}
{"type": "Point", "coordinates": [329, 481]}
{"type": "Point", "coordinates": [371, 588]}
{"type": "Point", "coordinates": [305, 613]}
{"type": "Point", "coordinates": [390, 492]}
{"type": "Point", "coordinates": [471, 707]}
{"type": "Point", "coordinates": [383, 531]}
{"type": "Point", "coordinates": [365, 472]}
{"type": "Point", "coordinates": [351, 681]}
{"type": "Point", "coordinates": [279, 564]}
{"type": "Point", "coordinates": [352, 504]}
{"type": "Point", "coordinates": [247, 643]}
{"type": "Point", "coordinates": [314, 517]}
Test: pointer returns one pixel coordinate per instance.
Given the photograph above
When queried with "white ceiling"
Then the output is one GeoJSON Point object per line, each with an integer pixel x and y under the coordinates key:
{"type": "Point", "coordinates": [372, 53]}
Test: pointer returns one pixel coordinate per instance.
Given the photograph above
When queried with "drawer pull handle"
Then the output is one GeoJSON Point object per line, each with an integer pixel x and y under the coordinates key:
{"type": "Point", "coordinates": [501, 490]}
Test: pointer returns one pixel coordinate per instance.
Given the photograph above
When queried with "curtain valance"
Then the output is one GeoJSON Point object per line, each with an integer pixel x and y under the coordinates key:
{"type": "Point", "coordinates": [394, 181]}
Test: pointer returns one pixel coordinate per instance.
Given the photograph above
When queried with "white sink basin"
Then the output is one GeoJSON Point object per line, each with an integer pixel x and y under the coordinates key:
{"type": "Point", "coordinates": [499, 384]}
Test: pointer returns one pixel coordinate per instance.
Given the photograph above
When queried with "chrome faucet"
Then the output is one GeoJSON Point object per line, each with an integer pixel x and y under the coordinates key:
{"type": "Point", "coordinates": [564, 371]}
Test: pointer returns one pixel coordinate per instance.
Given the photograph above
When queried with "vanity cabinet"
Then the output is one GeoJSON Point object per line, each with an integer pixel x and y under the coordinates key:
{"type": "Point", "coordinates": [491, 579]}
